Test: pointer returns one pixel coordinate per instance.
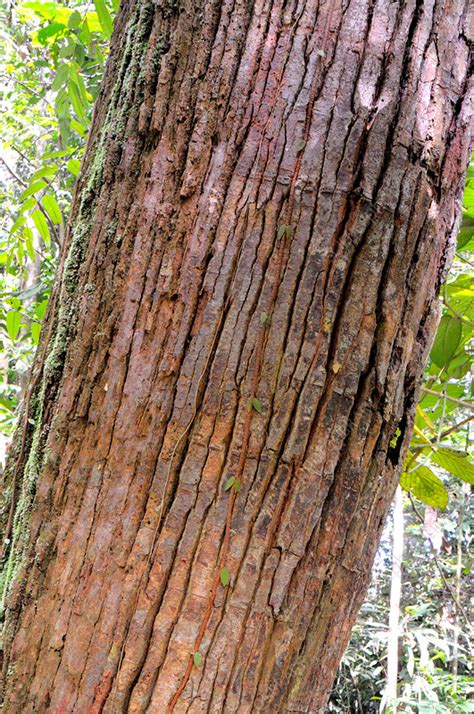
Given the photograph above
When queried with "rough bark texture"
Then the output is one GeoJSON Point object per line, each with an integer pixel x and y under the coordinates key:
{"type": "Point", "coordinates": [157, 344]}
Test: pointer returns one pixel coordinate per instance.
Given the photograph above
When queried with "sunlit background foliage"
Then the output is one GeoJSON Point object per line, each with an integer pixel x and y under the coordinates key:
{"type": "Point", "coordinates": [435, 648]}
{"type": "Point", "coordinates": [52, 58]}
{"type": "Point", "coordinates": [52, 61]}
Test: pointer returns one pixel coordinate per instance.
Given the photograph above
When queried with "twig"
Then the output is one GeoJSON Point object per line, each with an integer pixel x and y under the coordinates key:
{"type": "Point", "coordinates": [456, 314]}
{"type": "Point", "coordinates": [38, 202]}
{"type": "Point", "coordinates": [451, 430]}
{"type": "Point", "coordinates": [12, 173]}
{"type": "Point", "coordinates": [442, 395]}
{"type": "Point", "coordinates": [29, 89]}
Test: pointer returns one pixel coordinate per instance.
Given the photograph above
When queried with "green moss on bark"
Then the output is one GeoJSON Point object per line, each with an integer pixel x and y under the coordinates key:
{"type": "Point", "coordinates": [125, 98]}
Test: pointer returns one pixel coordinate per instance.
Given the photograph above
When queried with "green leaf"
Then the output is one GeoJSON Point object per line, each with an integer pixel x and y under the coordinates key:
{"type": "Point", "coordinates": [13, 319]}
{"type": "Point", "coordinates": [48, 171]}
{"type": "Point", "coordinates": [289, 232]}
{"type": "Point", "coordinates": [85, 33]}
{"type": "Point", "coordinates": [458, 366]}
{"type": "Point", "coordinates": [257, 405]}
{"type": "Point", "coordinates": [60, 78]}
{"type": "Point", "coordinates": [40, 309]}
{"type": "Point", "coordinates": [28, 204]}
{"type": "Point", "coordinates": [8, 404]}
{"type": "Point", "coordinates": [43, 9]}
{"type": "Point", "coordinates": [76, 101]}
{"type": "Point", "coordinates": [79, 129]}
{"type": "Point", "coordinates": [462, 300]}
{"type": "Point", "coordinates": [104, 17]}
{"type": "Point", "coordinates": [61, 104]}
{"type": "Point", "coordinates": [35, 332]}
{"type": "Point", "coordinates": [394, 440]}
{"type": "Point", "coordinates": [67, 50]}
{"type": "Point", "coordinates": [465, 234]}
{"type": "Point", "coordinates": [52, 29]}
{"type": "Point", "coordinates": [74, 166]}
{"type": "Point", "coordinates": [229, 483]}
{"type": "Point", "coordinates": [237, 485]}
{"type": "Point", "coordinates": [448, 338]}
{"type": "Point", "coordinates": [75, 20]}
{"type": "Point", "coordinates": [455, 462]}
{"type": "Point", "coordinates": [28, 237]}
{"type": "Point", "coordinates": [32, 189]}
{"type": "Point", "coordinates": [79, 82]}
{"type": "Point", "coordinates": [300, 146]}
{"type": "Point", "coordinates": [20, 253]}
{"type": "Point", "coordinates": [225, 576]}
{"type": "Point", "coordinates": [41, 226]}
{"type": "Point", "coordinates": [281, 231]}
{"type": "Point", "coordinates": [17, 224]}
{"type": "Point", "coordinates": [14, 303]}
{"type": "Point", "coordinates": [264, 318]}
{"type": "Point", "coordinates": [51, 207]}
{"type": "Point", "coordinates": [426, 486]}
{"type": "Point", "coordinates": [197, 657]}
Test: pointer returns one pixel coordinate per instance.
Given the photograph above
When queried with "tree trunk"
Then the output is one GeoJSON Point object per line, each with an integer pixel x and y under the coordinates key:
{"type": "Point", "coordinates": [224, 391]}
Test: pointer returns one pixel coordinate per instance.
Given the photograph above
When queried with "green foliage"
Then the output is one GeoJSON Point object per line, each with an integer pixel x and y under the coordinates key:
{"type": "Point", "coordinates": [446, 407]}
{"type": "Point", "coordinates": [426, 486]}
{"type": "Point", "coordinates": [455, 463]}
{"type": "Point", "coordinates": [435, 674]}
{"type": "Point", "coordinates": [447, 341]}
{"type": "Point", "coordinates": [52, 61]}
{"type": "Point", "coordinates": [428, 652]}
{"type": "Point", "coordinates": [362, 673]}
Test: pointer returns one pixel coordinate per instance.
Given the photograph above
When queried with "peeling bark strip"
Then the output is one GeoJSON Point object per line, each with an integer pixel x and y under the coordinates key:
{"type": "Point", "coordinates": [218, 123]}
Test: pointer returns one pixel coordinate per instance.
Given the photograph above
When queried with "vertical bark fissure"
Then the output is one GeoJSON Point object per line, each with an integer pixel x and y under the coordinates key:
{"type": "Point", "coordinates": [254, 380]}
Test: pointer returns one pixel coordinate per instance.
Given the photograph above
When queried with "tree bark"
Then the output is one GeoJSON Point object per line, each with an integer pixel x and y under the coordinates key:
{"type": "Point", "coordinates": [226, 381]}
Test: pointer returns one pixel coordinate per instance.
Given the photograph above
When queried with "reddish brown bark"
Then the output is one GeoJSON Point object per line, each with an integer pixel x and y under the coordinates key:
{"type": "Point", "coordinates": [219, 122]}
